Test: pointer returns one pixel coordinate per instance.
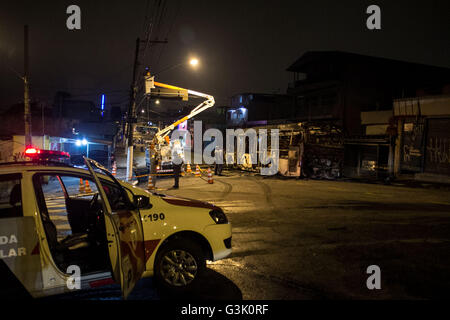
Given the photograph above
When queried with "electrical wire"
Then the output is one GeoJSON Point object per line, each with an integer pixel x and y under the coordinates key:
{"type": "Point", "coordinates": [4, 58]}
{"type": "Point", "coordinates": [169, 31]}
{"type": "Point", "coordinates": [149, 31]}
{"type": "Point", "coordinates": [146, 16]}
{"type": "Point", "coordinates": [163, 12]}
{"type": "Point", "coordinates": [158, 20]}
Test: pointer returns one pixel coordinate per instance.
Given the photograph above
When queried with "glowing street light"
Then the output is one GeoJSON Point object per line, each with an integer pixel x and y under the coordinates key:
{"type": "Point", "coordinates": [194, 62]}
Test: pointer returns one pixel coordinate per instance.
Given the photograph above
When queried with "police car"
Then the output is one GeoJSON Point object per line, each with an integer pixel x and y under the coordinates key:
{"type": "Point", "coordinates": [64, 228]}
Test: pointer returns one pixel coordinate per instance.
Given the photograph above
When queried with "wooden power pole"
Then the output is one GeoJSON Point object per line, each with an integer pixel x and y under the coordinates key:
{"type": "Point", "coordinates": [132, 118]}
{"type": "Point", "coordinates": [132, 114]}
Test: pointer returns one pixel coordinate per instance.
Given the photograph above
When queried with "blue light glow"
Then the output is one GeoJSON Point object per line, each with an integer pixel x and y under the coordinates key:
{"type": "Point", "coordinates": [103, 102]}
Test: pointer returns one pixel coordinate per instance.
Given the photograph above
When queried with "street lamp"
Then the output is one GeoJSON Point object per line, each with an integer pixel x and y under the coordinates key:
{"type": "Point", "coordinates": [193, 62]}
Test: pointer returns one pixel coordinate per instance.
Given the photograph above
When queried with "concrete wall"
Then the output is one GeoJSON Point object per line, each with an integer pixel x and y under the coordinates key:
{"type": "Point", "coordinates": [376, 129]}
{"type": "Point", "coordinates": [6, 150]}
{"type": "Point", "coordinates": [12, 149]}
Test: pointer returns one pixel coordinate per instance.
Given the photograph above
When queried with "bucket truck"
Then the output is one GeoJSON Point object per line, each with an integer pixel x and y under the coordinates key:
{"type": "Point", "coordinates": [158, 154]}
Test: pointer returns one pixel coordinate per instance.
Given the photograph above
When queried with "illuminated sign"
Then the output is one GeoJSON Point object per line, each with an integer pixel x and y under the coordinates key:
{"type": "Point", "coordinates": [103, 102]}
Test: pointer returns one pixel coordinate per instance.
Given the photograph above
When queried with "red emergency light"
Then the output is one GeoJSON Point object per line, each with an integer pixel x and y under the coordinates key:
{"type": "Point", "coordinates": [33, 152]}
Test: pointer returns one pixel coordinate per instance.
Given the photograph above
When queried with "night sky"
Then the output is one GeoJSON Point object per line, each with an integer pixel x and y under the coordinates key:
{"type": "Point", "coordinates": [244, 46]}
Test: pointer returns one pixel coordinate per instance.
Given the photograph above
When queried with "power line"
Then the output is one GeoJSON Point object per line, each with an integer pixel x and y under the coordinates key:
{"type": "Point", "coordinates": [146, 16]}
{"type": "Point", "coordinates": [149, 31]}
{"type": "Point", "coordinates": [154, 23]}
{"type": "Point", "coordinates": [14, 71]}
{"type": "Point", "coordinates": [169, 30]}
{"type": "Point", "coordinates": [11, 68]}
{"type": "Point", "coordinates": [163, 11]}
{"type": "Point", "coordinates": [142, 100]}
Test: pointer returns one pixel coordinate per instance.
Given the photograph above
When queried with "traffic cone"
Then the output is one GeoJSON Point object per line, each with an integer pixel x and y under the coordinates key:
{"type": "Point", "coordinates": [210, 178]}
{"type": "Point", "coordinates": [88, 188]}
{"type": "Point", "coordinates": [114, 169]}
{"type": "Point", "coordinates": [188, 170]}
{"type": "Point", "coordinates": [197, 171]}
{"type": "Point", "coordinates": [150, 185]}
{"type": "Point", "coordinates": [81, 188]}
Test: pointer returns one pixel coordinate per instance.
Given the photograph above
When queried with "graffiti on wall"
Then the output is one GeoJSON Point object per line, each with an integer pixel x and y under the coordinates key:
{"type": "Point", "coordinates": [19, 156]}
{"type": "Point", "coordinates": [413, 144]}
{"type": "Point", "coordinates": [409, 152]}
{"type": "Point", "coordinates": [438, 150]}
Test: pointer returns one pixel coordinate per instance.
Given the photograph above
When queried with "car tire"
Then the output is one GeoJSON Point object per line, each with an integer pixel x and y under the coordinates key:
{"type": "Point", "coordinates": [179, 265]}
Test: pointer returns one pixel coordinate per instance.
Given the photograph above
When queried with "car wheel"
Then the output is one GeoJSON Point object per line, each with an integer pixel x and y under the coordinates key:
{"type": "Point", "coordinates": [179, 265]}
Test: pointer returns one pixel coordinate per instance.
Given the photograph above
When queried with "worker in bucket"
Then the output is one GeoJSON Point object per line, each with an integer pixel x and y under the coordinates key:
{"type": "Point", "coordinates": [177, 160]}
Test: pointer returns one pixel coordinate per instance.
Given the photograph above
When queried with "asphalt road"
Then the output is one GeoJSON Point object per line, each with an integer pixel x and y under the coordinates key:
{"type": "Point", "coordinates": [306, 239]}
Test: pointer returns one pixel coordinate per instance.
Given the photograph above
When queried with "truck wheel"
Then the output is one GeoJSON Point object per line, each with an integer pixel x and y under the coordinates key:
{"type": "Point", "coordinates": [179, 265]}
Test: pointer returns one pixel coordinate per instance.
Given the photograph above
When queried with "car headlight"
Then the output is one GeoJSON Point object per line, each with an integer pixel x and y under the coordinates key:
{"type": "Point", "coordinates": [218, 216]}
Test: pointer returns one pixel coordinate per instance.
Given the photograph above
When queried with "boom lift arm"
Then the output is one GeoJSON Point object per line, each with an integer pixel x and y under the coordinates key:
{"type": "Point", "coordinates": [208, 103]}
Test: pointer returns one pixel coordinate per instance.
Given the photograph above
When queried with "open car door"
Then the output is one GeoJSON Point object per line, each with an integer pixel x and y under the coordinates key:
{"type": "Point", "coordinates": [124, 233]}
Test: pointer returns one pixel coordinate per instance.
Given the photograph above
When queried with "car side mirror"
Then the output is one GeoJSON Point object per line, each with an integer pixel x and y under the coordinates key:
{"type": "Point", "coordinates": [142, 202]}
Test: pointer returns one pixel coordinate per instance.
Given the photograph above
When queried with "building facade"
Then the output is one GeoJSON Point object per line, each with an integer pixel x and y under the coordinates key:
{"type": "Point", "coordinates": [250, 109]}
{"type": "Point", "coordinates": [423, 141]}
{"type": "Point", "coordinates": [333, 85]}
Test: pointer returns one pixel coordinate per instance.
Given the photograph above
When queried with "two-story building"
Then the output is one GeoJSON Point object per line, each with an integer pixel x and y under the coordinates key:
{"type": "Point", "coordinates": [357, 93]}
{"type": "Point", "coordinates": [334, 85]}
{"type": "Point", "coordinates": [339, 93]}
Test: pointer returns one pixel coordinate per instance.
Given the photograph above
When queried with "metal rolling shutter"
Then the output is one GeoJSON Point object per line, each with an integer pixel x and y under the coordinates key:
{"type": "Point", "coordinates": [437, 159]}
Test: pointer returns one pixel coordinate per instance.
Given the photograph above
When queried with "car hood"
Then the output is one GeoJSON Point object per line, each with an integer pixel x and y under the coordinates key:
{"type": "Point", "coordinates": [176, 201]}
{"type": "Point", "coordinates": [183, 202]}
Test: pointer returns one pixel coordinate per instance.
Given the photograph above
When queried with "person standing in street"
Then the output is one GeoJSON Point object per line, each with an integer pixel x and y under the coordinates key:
{"type": "Point", "coordinates": [177, 160]}
{"type": "Point", "coordinates": [218, 155]}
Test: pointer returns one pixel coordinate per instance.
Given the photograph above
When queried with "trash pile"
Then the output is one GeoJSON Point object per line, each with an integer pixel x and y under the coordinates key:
{"type": "Point", "coordinates": [322, 162]}
{"type": "Point", "coordinates": [323, 156]}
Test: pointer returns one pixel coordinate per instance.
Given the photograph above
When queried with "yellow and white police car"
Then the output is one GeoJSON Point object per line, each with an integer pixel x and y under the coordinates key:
{"type": "Point", "coordinates": [64, 228]}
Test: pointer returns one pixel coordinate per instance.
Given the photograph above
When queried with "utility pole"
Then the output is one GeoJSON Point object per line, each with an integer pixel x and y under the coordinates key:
{"type": "Point", "coordinates": [132, 114]}
{"type": "Point", "coordinates": [26, 102]}
{"type": "Point", "coordinates": [132, 119]}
